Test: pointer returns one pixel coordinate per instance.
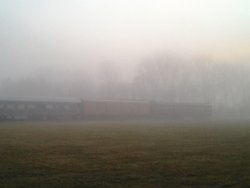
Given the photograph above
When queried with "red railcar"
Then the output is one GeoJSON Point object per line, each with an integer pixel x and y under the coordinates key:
{"type": "Point", "coordinates": [116, 109]}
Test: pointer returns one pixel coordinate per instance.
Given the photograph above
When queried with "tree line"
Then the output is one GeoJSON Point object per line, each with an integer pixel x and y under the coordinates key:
{"type": "Point", "coordinates": [159, 78]}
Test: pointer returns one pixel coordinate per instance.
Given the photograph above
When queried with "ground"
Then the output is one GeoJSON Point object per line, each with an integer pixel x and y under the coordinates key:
{"type": "Point", "coordinates": [124, 154]}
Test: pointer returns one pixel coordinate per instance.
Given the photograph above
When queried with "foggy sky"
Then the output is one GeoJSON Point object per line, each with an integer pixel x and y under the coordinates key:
{"type": "Point", "coordinates": [37, 36]}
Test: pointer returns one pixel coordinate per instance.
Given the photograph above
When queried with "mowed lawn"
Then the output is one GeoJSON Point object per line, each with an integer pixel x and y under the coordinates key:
{"type": "Point", "coordinates": [124, 154]}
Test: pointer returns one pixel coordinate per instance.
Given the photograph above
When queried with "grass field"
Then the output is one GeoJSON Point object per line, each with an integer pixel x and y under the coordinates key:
{"type": "Point", "coordinates": [121, 154]}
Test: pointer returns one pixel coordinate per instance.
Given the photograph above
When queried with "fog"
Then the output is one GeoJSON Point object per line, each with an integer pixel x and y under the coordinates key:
{"type": "Point", "coordinates": [193, 51]}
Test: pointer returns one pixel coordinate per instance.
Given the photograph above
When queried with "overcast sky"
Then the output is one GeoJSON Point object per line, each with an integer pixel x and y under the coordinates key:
{"type": "Point", "coordinates": [79, 34]}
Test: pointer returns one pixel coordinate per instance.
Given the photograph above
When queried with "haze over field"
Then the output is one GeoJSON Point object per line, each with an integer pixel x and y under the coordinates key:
{"type": "Point", "coordinates": [178, 50]}
{"type": "Point", "coordinates": [124, 93]}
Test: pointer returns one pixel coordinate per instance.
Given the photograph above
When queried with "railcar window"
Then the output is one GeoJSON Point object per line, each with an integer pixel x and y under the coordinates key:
{"type": "Point", "coordinates": [10, 106]}
{"type": "Point", "coordinates": [21, 106]}
{"type": "Point", "coordinates": [31, 106]}
{"type": "Point", "coordinates": [67, 107]}
{"type": "Point", "coordinates": [49, 106]}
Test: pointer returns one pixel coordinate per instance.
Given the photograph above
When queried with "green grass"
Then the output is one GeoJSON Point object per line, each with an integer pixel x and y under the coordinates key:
{"type": "Point", "coordinates": [120, 154]}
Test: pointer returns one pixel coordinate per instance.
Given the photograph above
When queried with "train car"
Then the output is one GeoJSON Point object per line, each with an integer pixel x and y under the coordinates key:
{"type": "Point", "coordinates": [193, 110]}
{"type": "Point", "coordinates": [115, 109]}
{"type": "Point", "coordinates": [60, 108]}
{"type": "Point", "coordinates": [39, 108]}
{"type": "Point", "coordinates": [180, 110]}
